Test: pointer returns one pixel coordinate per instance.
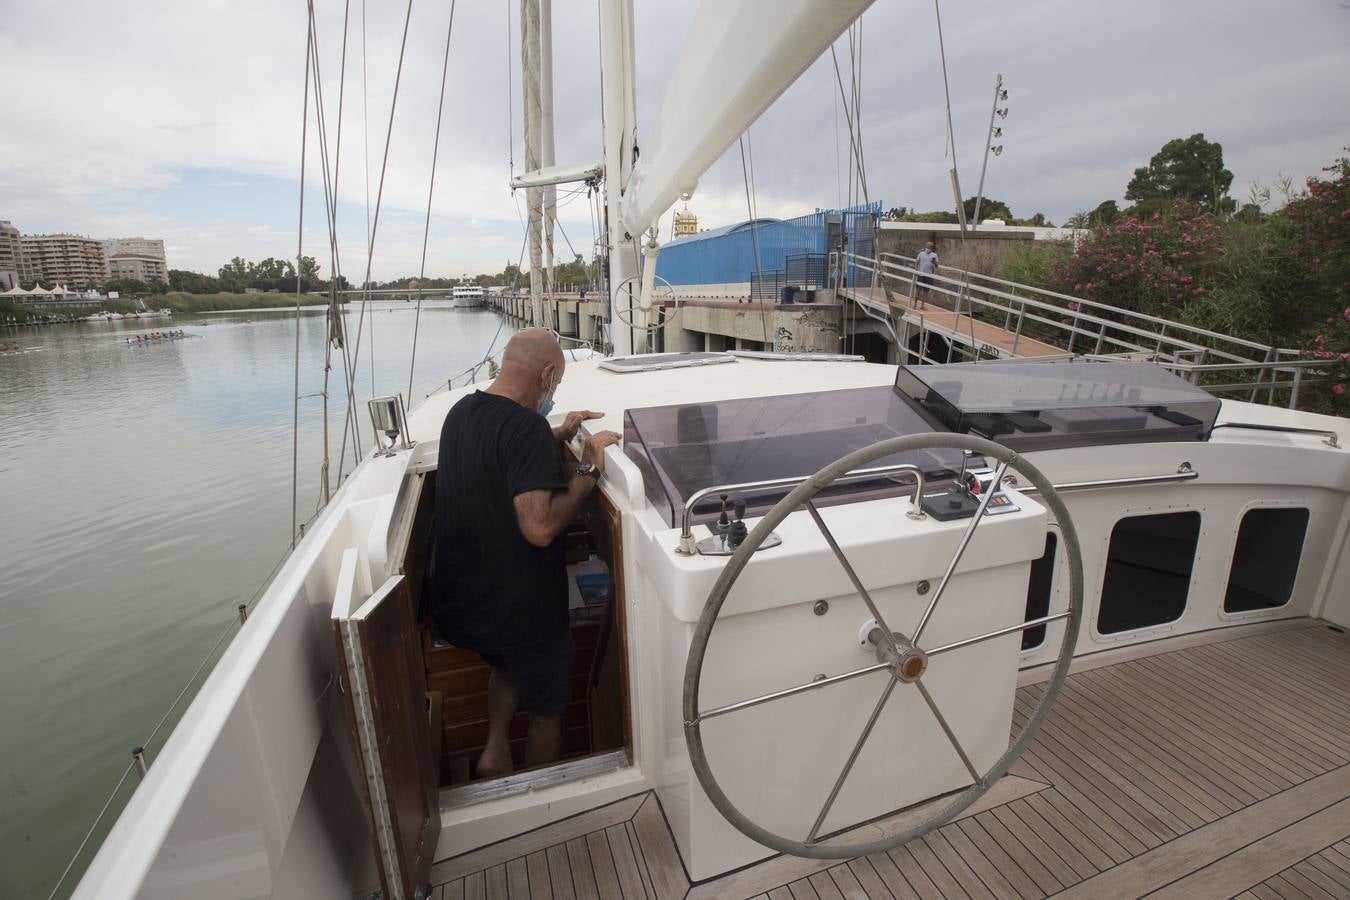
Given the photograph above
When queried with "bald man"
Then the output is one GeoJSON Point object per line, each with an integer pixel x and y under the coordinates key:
{"type": "Point", "coordinates": [503, 498]}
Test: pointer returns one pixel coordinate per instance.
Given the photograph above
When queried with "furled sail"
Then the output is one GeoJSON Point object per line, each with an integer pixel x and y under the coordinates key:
{"type": "Point", "coordinates": [739, 57]}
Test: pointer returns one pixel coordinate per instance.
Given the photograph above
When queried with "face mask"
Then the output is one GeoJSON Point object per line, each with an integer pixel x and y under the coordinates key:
{"type": "Point", "coordinates": [546, 404]}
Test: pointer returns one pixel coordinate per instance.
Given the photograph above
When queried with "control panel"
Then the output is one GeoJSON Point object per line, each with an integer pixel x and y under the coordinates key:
{"type": "Point", "coordinates": [963, 497]}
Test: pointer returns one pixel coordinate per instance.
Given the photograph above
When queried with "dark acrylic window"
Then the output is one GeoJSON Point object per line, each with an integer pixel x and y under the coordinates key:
{"type": "Point", "coordinates": [1148, 571]}
{"type": "Point", "coordinates": [1038, 592]}
{"type": "Point", "coordinates": [683, 449]}
{"type": "Point", "coordinates": [1265, 560]}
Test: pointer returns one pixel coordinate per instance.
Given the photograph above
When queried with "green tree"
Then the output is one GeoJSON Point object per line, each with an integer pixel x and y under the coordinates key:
{"type": "Point", "coordinates": [989, 209]}
{"type": "Point", "coordinates": [192, 282]}
{"type": "Point", "coordinates": [235, 274]}
{"type": "Point", "coordinates": [133, 287]}
{"type": "Point", "coordinates": [1185, 169]}
{"type": "Point", "coordinates": [1106, 213]}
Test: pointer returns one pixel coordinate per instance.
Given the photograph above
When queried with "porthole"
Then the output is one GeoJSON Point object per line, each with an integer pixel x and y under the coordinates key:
{"type": "Point", "coordinates": [1148, 571]}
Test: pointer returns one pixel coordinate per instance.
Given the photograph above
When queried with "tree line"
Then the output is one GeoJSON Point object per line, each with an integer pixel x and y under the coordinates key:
{"type": "Point", "coordinates": [240, 275]}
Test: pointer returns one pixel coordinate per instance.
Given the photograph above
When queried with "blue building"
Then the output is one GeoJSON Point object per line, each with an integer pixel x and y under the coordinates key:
{"type": "Point", "coordinates": [760, 249]}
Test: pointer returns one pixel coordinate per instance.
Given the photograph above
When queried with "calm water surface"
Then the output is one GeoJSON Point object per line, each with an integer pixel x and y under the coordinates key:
{"type": "Point", "coordinates": [144, 493]}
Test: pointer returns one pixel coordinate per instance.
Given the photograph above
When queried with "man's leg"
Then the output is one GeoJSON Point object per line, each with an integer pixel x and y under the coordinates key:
{"type": "Point", "coordinates": [503, 701]}
{"type": "Point", "coordinates": [544, 741]}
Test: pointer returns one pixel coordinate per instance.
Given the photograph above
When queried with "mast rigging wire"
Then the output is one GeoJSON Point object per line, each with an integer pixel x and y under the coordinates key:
{"type": "Point", "coordinates": [431, 188]}
{"type": "Point", "coordinates": [748, 176]}
{"type": "Point", "coordinates": [334, 321]}
{"type": "Point", "coordinates": [300, 243]}
{"type": "Point", "coordinates": [375, 222]}
{"type": "Point", "coordinates": [946, 90]}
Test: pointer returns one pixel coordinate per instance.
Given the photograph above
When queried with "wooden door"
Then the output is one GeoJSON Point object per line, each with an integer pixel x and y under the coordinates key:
{"type": "Point", "coordinates": [385, 691]}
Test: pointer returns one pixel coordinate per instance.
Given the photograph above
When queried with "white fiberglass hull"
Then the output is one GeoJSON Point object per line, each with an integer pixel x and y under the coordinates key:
{"type": "Point", "coordinates": [256, 793]}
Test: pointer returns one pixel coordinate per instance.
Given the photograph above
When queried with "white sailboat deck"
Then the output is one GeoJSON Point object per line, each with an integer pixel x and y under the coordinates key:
{"type": "Point", "coordinates": [1212, 765]}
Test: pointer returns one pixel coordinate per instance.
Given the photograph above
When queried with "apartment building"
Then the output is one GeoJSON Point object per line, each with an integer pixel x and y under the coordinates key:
{"type": "Point", "coordinates": [69, 259]}
{"type": "Point", "coordinates": [138, 258]}
{"type": "Point", "coordinates": [11, 256]}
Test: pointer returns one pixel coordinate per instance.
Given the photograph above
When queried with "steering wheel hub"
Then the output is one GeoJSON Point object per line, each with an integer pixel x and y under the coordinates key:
{"type": "Point", "coordinates": [907, 662]}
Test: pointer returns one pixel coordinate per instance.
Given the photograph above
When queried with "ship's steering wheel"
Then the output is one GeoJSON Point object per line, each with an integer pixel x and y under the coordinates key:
{"type": "Point", "coordinates": [903, 657]}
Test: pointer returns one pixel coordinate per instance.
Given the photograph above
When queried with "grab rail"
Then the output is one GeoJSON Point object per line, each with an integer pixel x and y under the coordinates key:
{"type": "Point", "coordinates": [1330, 438]}
{"type": "Point", "coordinates": [1184, 472]}
{"type": "Point", "coordinates": [688, 547]}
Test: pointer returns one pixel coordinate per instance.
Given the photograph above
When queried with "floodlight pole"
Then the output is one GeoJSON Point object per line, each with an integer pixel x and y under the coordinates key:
{"type": "Point", "coordinates": [989, 140]}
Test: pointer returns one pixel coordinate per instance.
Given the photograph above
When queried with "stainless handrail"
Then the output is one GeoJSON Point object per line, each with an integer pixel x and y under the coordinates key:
{"type": "Point", "coordinates": [688, 547]}
{"type": "Point", "coordinates": [1184, 472]}
{"type": "Point", "coordinates": [1330, 438]}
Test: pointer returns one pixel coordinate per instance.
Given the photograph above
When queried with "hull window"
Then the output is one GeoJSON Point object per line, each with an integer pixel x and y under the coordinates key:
{"type": "Point", "coordinates": [1038, 592]}
{"type": "Point", "coordinates": [1148, 571]}
{"type": "Point", "coordinates": [1265, 560]}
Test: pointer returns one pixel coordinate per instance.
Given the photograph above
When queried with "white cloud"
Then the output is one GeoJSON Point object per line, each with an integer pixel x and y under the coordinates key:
{"type": "Point", "coordinates": [104, 137]}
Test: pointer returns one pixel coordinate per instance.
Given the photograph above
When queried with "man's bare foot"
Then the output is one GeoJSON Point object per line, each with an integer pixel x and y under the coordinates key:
{"type": "Point", "coordinates": [493, 765]}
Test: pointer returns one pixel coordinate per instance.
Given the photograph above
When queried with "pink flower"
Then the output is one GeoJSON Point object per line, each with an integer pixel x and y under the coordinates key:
{"type": "Point", "coordinates": [1338, 389]}
{"type": "Point", "coordinates": [1319, 339]}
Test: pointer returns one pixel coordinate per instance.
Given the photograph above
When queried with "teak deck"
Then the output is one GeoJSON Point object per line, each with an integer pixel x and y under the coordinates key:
{"type": "Point", "coordinates": [1218, 769]}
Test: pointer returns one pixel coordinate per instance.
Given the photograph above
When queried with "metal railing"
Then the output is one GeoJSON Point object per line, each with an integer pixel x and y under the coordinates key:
{"type": "Point", "coordinates": [1089, 329]}
{"type": "Point", "coordinates": [688, 547]}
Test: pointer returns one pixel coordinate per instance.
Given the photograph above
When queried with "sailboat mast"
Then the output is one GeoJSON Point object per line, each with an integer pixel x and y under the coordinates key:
{"type": "Point", "coordinates": [618, 110]}
{"type": "Point", "coordinates": [546, 158]}
{"type": "Point", "coordinates": [530, 90]}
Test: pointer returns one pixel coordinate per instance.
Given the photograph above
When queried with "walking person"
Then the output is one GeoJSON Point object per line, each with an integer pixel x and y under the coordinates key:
{"type": "Point", "coordinates": [928, 266]}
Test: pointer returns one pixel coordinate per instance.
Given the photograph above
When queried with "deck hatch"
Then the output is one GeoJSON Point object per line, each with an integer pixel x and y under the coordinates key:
{"type": "Point", "coordinates": [1045, 405]}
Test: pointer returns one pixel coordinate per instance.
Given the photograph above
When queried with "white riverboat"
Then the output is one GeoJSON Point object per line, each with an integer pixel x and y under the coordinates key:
{"type": "Point", "coordinates": [468, 297]}
{"type": "Point", "coordinates": [1008, 628]}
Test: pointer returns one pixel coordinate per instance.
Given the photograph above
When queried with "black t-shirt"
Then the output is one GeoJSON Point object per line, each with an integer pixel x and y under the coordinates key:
{"type": "Point", "coordinates": [493, 590]}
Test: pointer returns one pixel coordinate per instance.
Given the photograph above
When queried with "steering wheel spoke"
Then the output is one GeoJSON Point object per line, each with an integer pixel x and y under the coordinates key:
{"type": "Point", "coordinates": [786, 692]}
{"type": "Point", "coordinates": [852, 575]}
{"type": "Point", "coordinates": [961, 549]}
{"type": "Point", "coordinates": [976, 778]}
{"type": "Point", "coordinates": [989, 636]}
{"type": "Point", "coordinates": [852, 758]}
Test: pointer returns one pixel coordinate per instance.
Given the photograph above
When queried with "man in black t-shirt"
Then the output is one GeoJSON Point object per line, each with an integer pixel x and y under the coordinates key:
{"type": "Point", "coordinates": [503, 498]}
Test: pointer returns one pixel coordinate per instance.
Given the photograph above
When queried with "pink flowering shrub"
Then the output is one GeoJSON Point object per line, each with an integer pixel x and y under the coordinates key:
{"type": "Point", "coordinates": [1322, 218]}
{"type": "Point", "coordinates": [1155, 265]}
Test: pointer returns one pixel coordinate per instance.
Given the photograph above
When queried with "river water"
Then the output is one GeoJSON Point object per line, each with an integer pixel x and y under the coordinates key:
{"type": "Point", "coordinates": [145, 492]}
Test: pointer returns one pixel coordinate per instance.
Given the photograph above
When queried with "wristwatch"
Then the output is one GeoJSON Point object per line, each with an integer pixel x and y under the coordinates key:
{"type": "Point", "coordinates": [589, 468]}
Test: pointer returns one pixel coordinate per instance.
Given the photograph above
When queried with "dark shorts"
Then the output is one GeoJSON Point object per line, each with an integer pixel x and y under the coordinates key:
{"type": "Point", "coordinates": [542, 673]}
{"type": "Point", "coordinates": [926, 280]}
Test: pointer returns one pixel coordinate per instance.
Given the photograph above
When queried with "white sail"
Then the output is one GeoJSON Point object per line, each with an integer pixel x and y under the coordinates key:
{"type": "Point", "coordinates": [739, 58]}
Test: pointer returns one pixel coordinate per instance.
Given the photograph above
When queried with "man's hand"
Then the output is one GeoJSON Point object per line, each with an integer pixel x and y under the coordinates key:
{"type": "Point", "coordinates": [568, 429]}
{"type": "Point", "coordinates": [595, 447]}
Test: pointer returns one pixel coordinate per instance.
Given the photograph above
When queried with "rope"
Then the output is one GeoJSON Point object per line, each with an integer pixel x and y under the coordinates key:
{"type": "Point", "coordinates": [300, 242]}
{"type": "Point", "coordinates": [431, 187]}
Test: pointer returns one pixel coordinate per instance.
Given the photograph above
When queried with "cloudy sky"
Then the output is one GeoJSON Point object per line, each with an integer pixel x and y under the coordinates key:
{"type": "Point", "coordinates": [183, 120]}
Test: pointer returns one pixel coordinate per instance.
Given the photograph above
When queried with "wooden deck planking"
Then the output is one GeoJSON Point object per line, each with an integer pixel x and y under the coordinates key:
{"type": "Point", "coordinates": [947, 322]}
{"type": "Point", "coordinates": [1218, 769]}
